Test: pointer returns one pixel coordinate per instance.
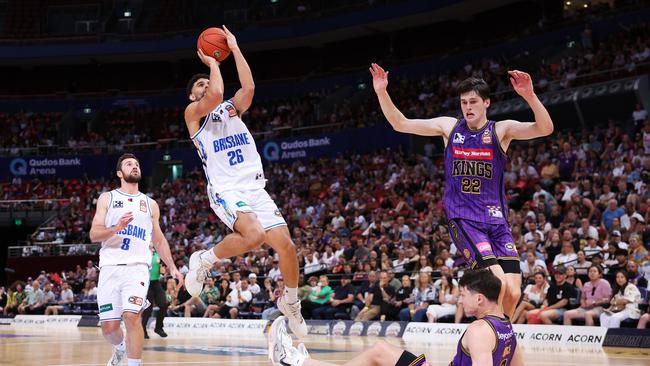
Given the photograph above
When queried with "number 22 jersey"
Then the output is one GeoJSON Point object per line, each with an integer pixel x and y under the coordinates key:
{"type": "Point", "coordinates": [474, 167]}
{"type": "Point", "coordinates": [228, 152]}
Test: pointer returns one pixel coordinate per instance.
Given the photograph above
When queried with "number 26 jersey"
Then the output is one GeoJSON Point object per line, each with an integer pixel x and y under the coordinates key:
{"type": "Point", "coordinates": [228, 152]}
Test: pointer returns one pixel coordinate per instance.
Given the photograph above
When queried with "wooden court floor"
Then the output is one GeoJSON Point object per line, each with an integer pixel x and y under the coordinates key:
{"type": "Point", "coordinates": [85, 346]}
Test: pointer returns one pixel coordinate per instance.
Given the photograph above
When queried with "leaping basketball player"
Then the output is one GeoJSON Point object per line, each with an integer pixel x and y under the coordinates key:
{"type": "Point", "coordinates": [126, 222]}
{"type": "Point", "coordinates": [475, 159]}
{"type": "Point", "coordinates": [233, 169]}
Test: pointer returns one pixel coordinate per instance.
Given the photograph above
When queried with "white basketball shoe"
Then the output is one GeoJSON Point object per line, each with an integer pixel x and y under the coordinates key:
{"type": "Point", "coordinates": [197, 274]}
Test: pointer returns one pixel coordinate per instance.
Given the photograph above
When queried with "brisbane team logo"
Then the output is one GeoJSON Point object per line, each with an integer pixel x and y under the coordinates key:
{"type": "Point", "coordinates": [338, 328]}
{"type": "Point", "coordinates": [356, 329]}
{"type": "Point", "coordinates": [393, 330]}
{"type": "Point", "coordinates": [374, 329]}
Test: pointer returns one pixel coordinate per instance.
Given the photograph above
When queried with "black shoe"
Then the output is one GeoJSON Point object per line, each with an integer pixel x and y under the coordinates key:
{"type": "Point", "coordinates": [161, 333]}
{"type": "Point", "coordinates": [146, 335]}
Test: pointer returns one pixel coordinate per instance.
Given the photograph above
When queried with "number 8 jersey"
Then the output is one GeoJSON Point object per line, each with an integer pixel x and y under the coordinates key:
{"type": "Point", "coordinates": [228, 152]}
{"type": "Point", "coordinates": [131, 245]}
{"type": "Point", "coordinates": [474, 167]}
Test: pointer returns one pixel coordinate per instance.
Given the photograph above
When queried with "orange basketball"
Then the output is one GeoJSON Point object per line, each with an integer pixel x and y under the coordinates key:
{"type": "Point", "coordinates": [213, 43]}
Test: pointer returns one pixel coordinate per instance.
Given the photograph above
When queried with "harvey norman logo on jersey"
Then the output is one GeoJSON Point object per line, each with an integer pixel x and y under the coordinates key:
{"type": "Point", "coordinates": [294, 149]}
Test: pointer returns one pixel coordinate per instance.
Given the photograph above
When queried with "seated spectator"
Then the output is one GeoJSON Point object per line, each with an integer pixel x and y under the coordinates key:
{"type": "Point", "coordinates": [534, 296]}
{"type": "Point", "coordinates": [65, 300]}
{"type": "Point", "coordinates": [33, 301]}
{"type": "Point", "coordinates": [374, 298]}
{"type": "Point", "coordinates": [15, 298]}
{"type": "Point", "coordinates": [572, 278]}
{"type": "Point", "coordinates": [595, 294]}
{"type": "Point", "coordinates": [592, 248]}
{"type": "Point", "coordinates": [637, 252]}
{"type": "Point", "coordinates": [620, 265]}
{"type": "Point", "coordinates": [402, 294]}
{"type": "Point", "coordinates": [582, 265]}
{"type": "Point", "coordinates": [447, 296]}
{"type": "Point", "coordinates": [270, 311]}
{"type": "Point", "coordinates": [635, 277]}
{"type": "Point", "coordinates": [529, 264]}
{"type": "Point", "coordinates": [238, 297]}
{"type": "Point", "coordinates": [624, 304]}
{"type": "Point", "coordinates": [339, 302]}
{"type": "Point", "coordinates": [319, 297]}
{"type": "Point", "coordinates": [201, 305]}
{"type": "Point", "coordinates": [566, 256]}
{"type": "Point", "coordinates": [253, 287]}
{"type": "Point", "coordinates": [263, 297]}
{"type": "Point", "coordinates": [556, 302]}
{"type": "Point", "coordinates": [418, 303]}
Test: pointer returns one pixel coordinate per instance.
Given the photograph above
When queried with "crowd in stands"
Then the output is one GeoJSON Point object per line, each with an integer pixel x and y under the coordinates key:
{"type": "Point", "coordinates": [623, 54]}
{"type": "Point", "coordinates": [373, 243]}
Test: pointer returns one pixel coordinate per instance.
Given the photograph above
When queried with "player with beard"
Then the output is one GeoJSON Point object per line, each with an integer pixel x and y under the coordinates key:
{"type": "Point", "coordinates": [126, 223]}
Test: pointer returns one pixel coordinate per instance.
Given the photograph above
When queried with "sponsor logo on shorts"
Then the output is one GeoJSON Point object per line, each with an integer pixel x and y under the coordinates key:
{"type": "Point", "coordinates": [484, 247]}
{"type": "Point", "coordinates": [136, 300]}
{"type": "Point", "coordinates": [278, 213]}
{"type": "Point", "coordinates": [511, 247]}
{"type": "Point", "coordinates": [241, 204]}
{"type": "Point", "coordinates": [143, 206]}
{"type": "Point", "coordinates": [105, 308]}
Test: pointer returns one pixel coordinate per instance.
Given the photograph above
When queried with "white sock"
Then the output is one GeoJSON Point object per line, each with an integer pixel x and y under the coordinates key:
{"type": "Point", "coordinates": [291, 294]}
{"type": "Point", "coordinates": [133, 361]}
{"type": "Point", "coordinates": [208, 256]}
{"type": "Point", "coordinates": [121, 347]}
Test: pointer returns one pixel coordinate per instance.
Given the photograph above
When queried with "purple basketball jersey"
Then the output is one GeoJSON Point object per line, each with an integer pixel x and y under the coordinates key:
{"type": "Point", "coordinates": [474, 166]}
{"type": "Point", "coordinates": [502, 353]}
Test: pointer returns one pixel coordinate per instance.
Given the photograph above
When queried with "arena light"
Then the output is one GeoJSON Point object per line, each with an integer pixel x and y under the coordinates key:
{"type": "Point", "coordinates": [127, 13]}
{"type": "Point", "coordinates": [517, 105]}
{"type": "Point", "coordinates": [629, 85]}
{"type": "Point", "coordinates": [615, 87]}
{"type": "Point", "coordinates": [556, 98]}
{"type": "Point", "coordinates": [506, 107]}
{"type": "Point", "coordinates": [586, 92]}
{"type": "Point", "coordinates": [601, 90]}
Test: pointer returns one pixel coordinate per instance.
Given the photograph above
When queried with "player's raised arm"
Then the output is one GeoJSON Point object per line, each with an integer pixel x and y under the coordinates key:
{"type": "Point", "coordinates": [480, 341]}
{"type": "Point", "coordinates": [201, 106]}
{"type": "Point", "coordinates": [244, 96]}
{"type": "Point", "coordinates": [98, 230]}
{"type": "Point", "coordinates": [439, 126]}
{"type": "Point", "coordinates": [514, 130]}
{"type": "Point", "coordinates": [162, 246]}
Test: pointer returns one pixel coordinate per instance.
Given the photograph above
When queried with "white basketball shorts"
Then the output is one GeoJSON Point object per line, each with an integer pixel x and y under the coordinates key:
{"type": "Point", "coordinates": [120, 289]}
{"type": "Point", "coordinates": [256, 201]}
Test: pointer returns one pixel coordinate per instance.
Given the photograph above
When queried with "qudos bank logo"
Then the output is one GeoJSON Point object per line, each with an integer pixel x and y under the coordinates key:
{"type": "Point", "coordinates": [271, 151]}
{"type": "Point", "coordinates": [18, 167]}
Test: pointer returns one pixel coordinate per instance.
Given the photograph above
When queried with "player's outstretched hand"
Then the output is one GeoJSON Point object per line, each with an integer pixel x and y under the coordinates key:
{"type": "Point", "coordinates": [124, 220]}
{"type": "Point", "coordinates": [379, 77]}
{"type": "Point", "coordinates": [177, 275]}
{"type": "Point", "coordinates": [207, 60]}
{"type": "Point", "coordinates": [230, 39]}
{"type": "Point", "coordinates": [522, 83]}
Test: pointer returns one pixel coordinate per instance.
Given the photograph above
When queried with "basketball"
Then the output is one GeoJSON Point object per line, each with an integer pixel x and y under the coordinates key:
{"type": "Point", "coordinates": [213, 43]}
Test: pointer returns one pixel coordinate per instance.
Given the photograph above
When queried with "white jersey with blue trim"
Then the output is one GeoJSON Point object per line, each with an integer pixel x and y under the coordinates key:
{"type": "Point", "coordinates": [131, 245]}
{"type": "Point", "coordinates": [228, 152]}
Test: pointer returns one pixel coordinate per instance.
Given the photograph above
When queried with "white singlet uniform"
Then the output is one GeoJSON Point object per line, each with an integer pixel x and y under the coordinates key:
{"type": "Point", "coordinates": [124, 258]}
{"type": "Point", "coordinates": [233, 168]}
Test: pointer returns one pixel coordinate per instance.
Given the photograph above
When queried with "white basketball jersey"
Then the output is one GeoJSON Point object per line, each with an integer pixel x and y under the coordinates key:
{"type": "Point", "coordinates": [228, 152]}
{"type": "Point", "coordinates": [131, 245]}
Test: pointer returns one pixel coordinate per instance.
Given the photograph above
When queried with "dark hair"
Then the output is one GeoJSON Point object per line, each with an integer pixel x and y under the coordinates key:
{"type": "Point", "coordinates": [482, 281]}
{"type": "Point", "coordinates": [474, 84]}
{"type": "Point", "coordinates": [124, 157]}
{"type": "Point", "coordinates": [617, 288]}
{"type": "Point", "coordinates": [193, 79]}
{"type": "Point", "coordinates": [599, 268]}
